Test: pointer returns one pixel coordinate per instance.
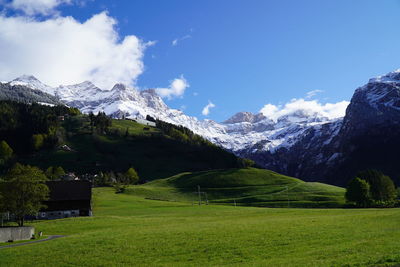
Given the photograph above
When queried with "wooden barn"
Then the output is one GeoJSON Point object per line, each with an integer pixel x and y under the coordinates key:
{"type": "Point", "coordinates": [68, 199]}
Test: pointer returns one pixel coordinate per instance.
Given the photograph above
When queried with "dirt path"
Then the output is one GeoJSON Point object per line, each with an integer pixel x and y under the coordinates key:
{"type": "Point", "coordinates": [31, 242]}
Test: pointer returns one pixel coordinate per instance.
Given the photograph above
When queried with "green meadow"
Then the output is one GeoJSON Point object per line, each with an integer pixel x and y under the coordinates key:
{"type": "Point", "coordinates": [129, 230]}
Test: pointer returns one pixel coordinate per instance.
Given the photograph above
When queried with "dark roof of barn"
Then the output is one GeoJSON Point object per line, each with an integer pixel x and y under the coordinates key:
{"type": "Point", "coordinates": [69, 190]}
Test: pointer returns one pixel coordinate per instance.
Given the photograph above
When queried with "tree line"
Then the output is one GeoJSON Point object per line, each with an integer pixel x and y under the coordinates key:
{"type": "Point", "coordinates": [371, 188]}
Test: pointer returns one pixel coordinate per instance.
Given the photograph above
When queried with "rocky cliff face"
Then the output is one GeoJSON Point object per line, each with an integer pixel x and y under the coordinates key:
{"type": "Point", "coordinates": [245, 117]}
{"type": "Point", "coordinates": [333, 152]}
{"type": "Point", "coordinates": [375, 104]}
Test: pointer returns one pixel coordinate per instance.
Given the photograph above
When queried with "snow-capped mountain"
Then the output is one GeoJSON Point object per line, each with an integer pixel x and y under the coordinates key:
{"type": "Point", "coordinates": [18, 91]}
{"type": "Point", "coordinates": [375, 103]}
{"type": "Point", "coordinates": [334, 151]}
{"type": "Point", "coordinates": [33, 83]}
{"type": "Point", "coordinates": [299, 143]}
{"type": "Point", "coordinates": [241, 131]}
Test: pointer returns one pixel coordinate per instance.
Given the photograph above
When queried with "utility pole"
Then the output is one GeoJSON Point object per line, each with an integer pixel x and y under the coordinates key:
{"type": "Point", "coordinates": [198, 190]}
{"type": "Point", "coordinates": [287, 192]}
{"type": "Point", "coordinates": [205, 193]}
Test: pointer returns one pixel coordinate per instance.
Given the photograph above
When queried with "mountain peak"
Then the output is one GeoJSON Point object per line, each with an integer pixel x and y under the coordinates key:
{"type": "Point", "coordinates": [150, 92]}
{"type": "Point", "coordinates": [119, 87]}
{"type": "Point", "coordinates": [244, 116]}
{"type": "Point", "coordinates": [390, 77]}
{"type": "Point", "coordinates": [153, 100]}
{"type": "Point", "coordinates": [87, 84]}
{"type": "Point", "coordinates": [33, 83]}
{"type": "Point", "coordinates": [381, 92]}
{"type": "Point", "coordinates": [26, 78]}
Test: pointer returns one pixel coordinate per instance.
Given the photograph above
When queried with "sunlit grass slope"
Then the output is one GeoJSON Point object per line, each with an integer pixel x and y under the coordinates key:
{"type": "Point", "coordinates": [249, 186]}
{"type": "Point", "coordinates": [128, 230]}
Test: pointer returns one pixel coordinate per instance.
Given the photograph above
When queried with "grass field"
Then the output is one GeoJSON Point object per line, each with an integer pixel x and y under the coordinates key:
{"type": "Point", "coordinates": [128, 230]}
{"type": "Point", "coordinates": [248, 186]}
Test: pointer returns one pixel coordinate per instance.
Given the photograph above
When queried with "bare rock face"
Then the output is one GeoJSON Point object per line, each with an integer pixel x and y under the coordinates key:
{"type": "Point", "coordinates": [375, 104]}
{"type": "Point", "coordinates": [245, 117]}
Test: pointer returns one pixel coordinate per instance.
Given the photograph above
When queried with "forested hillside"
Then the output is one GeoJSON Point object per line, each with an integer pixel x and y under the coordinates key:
{"type": "Point", "coordinates": [89, 144]}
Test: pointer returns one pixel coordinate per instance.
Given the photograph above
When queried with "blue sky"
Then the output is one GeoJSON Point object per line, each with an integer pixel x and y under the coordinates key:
{"type": "Point", "coordinates": [241, 55]}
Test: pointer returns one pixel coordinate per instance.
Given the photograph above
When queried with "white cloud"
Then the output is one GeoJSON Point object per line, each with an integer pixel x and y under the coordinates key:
{"type": "Point", "coordinates": [269, 110]}
{"type": "Point", "coordinates": [32, 7]}
{"type": "Point", "coordinates": [62, 50]}
{"type": "Point", "coordinates": [307, 107]}
{"type": "Point", "coordinates": [313, 93]}
{"type": "Point", "coordinates": [176, 89]}
{"type": "Point", "coordinates": [177, 40]}
{"type": "Point", "coordinates": [206, 109]}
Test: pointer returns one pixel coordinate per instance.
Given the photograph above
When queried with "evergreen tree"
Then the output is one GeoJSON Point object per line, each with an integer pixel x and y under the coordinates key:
{"type": "Point", "coordinates": [102, 122]}
{"type": "Point", "coordinates": [150, 118]}
{"type": "Point", "coordinates": [59, 172]}
{"type": "Point", "coordinates": [5, 152]}
{"type": "Point", "coordinates": [131, 176]}
{"type": "Point", "coordinates": [54, 173]}
{"type": "Point", "coordinates": [388, 189]}
{"type": "Point", "coordinates": [37, 141]}
{"type": "Point", "coordinates": [358, 191]}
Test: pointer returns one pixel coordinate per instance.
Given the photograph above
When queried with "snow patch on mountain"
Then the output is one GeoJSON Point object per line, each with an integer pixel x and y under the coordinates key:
{"type": "Point", "coordinates": [390, 77]}
{"type": "Point", "coordinates": [381, 92]}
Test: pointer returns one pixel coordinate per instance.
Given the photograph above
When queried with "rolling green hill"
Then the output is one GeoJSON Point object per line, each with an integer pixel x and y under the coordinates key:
{"type": "Point", "coordinates": [247, 187]}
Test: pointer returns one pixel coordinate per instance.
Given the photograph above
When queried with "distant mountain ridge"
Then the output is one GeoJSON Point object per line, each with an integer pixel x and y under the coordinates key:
{"type": "Point", "coordinates": [241, 131]}
{"type": "Point", "coordinates": [299, 144]}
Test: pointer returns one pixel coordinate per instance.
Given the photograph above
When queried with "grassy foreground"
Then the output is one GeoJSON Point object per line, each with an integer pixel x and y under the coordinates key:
{"type": "Point", "coordinates": [130, 231]}
{"type": "Point", "coordinates": [246, 187]}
